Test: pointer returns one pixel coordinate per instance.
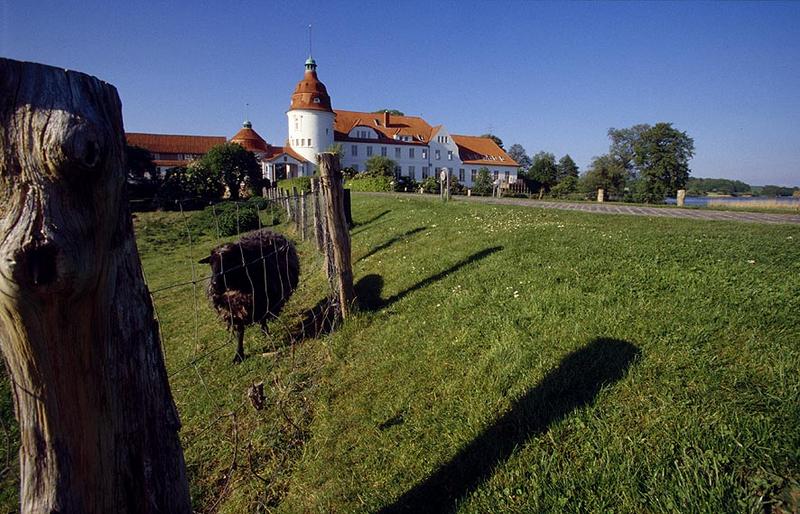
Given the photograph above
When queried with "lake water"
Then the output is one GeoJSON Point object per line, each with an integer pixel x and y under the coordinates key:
{"type": "Point", "coordinates": [701, 201]}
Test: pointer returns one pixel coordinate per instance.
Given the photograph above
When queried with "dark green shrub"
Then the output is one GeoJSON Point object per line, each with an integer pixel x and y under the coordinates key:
{"type": "Point", "coordinates": [483, 183]}
{"type": "Point", "coordinates": [188, 188]}
{"type": "Point", "coordinates": [259, 202]}
{"type": "Point", "coordinates": [405, 184]}
{"type": "Point", "coordinates": [430, 185]}
{"type": "Point", "coordinates": [231, 218]}
{"type": "Point", "coordinates": [364, 183]}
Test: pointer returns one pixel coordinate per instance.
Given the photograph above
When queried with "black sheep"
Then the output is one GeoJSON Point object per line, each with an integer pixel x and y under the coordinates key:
{"type": "Point", "coordinates": [251, 280]}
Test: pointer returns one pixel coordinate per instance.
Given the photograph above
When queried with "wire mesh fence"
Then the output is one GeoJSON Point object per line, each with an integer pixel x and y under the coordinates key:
{"type": "Point", "coordinates": [239, 266]}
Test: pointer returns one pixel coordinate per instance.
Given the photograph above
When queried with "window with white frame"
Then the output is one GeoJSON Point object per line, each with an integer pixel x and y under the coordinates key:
{"type": "Point", "coordinates": [506, 175]}
{"type": "Point", "coordinates": [473, 174]}
{"type": "Point", "coordinates": [383, 151]}
{"type": "Point", "coordinates": [353, 150]}
{"type": "Point", "coordinates": [397, 152]}
{"type": "Point", "coordinates": [494, 174]}
{"type": "Point", "coordinates": [412, 172]}
{"type": "Point", "coordinates": [461, 174]}
{"type": "Point", "coordinates": [397, 171]}
{"type": "Point", "coordinates": [369, 151]}
{"type": "Point", "coordinates": [424, 153]}
{"type": "Point", "coordinates": [437, 155]}
{"type": "Point", "coordinates": [424, 172]}
{"type": "Point", "coordinates": [449, 155]}
{"type": "Point", "coordinates": [410, 153]}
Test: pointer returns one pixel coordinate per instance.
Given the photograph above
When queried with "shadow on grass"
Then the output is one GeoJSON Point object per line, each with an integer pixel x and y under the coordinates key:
{"type": "Point", "coordinates": [367, 222]}
{"type": "Point", "coordinates": [390, 242]}
{"type": "Point", "coordinates": [574, 384]}
{"type": "Point", "coordinates": [369, 288]}
{"type": "Point", "coordinates": [317, 321]}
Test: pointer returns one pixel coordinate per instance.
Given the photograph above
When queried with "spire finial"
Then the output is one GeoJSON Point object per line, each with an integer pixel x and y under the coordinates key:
{"type": "Point", "coordinates": [310, 53]}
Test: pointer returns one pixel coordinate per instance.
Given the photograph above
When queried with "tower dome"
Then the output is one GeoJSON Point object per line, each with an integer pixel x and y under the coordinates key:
{"type": "Point", "coordinates": [249, 139]}
{"type": "Point", "coordinates": [310, 93]}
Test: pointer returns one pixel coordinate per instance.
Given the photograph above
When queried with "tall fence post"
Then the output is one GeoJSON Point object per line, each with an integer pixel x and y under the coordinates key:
{"type": "Point", "coordinates": [332, 188]}
{"type": "Point", "coordinates": [303, 216]}
{"type": "Point", "coordinates": [601, 195]}
{"type": "Point", "coordinates": [98, 426]}
{"type": "Point", "coordinates": [296, 208]}
{"type": "Point", "coordinates": [318, 235]}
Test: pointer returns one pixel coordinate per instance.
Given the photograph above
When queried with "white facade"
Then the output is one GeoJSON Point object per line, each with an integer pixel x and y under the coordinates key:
{"type": "Point", "coordinates": [310, 132]}
{"type": "Point", "coordinates": [421, 161]}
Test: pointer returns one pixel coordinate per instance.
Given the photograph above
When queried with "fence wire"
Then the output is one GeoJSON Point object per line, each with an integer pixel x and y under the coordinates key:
{"type": "Point", "coordinates": [253, 274]}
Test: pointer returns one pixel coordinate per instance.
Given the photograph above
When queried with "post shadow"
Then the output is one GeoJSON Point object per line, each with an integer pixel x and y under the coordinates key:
{"type": "Point", "coordinates": [371, 220]}
{"type": "Point", "coordinates": [369, 288]}
{"type": "Point", "coordinates": [390, 242]}
{"type": "Point", "coordinates": [574, 384]}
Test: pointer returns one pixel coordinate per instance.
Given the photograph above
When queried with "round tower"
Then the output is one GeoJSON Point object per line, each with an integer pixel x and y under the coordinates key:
{"type": "Point", "coordinates": [310, 116]}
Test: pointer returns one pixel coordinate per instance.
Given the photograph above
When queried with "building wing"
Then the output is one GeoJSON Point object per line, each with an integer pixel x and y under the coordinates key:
{"type": "Point", "coordinates": [482, 151]}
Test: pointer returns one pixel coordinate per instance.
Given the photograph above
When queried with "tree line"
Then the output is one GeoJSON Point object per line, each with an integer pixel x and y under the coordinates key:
{"type": "Point", "coordinates": [644, 163]}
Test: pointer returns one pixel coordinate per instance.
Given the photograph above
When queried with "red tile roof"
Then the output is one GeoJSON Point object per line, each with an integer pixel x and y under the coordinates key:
{"type": "Point", "coordinates": [250, 140]}
{"type": "Point", "coordinates": [277, 151]}
{"type": "Point", "coordinates": [168, 163]}
{"type": "Point", "coordinates": [481, 150]}
{"type": "Point", "coordinates": [175, 144]}
{"type": "Point", "coordinates": [387, 125]}
{"type": "Point", "coordinates": [310, 93]}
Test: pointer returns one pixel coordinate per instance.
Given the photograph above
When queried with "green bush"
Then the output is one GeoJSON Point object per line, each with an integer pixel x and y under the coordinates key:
{"type": "Point", "coordinates": [259, 202]}
{"type": "Point", "coordinates": [405, 184]}
{"type": "Point", "coordinates": [301, 183]}
{"type": "Point", "coordinates": [230, 218]}
{"type": "Point", "coordinates": [188, 188]}
{"type": "Point", "coordinates": [373, 184]}
{"type": "Point", "coordinates": [483, 183]}
{"type": "Point", "coordinates": [430, 185]}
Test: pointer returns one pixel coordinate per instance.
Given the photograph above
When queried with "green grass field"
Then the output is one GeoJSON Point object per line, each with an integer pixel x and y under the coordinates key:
{"type": "Point", "coordinates": [505, 359]}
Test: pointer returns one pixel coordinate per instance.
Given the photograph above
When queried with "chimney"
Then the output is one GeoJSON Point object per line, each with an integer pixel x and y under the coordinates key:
{"type": "Point", "coordinates": [385, 119]}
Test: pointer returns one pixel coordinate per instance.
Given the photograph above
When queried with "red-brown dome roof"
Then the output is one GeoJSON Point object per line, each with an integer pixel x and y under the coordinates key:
{"type": "Point", "coordinates": [249, 139]}
{"type": "Point", "coordinates": [310, 93]}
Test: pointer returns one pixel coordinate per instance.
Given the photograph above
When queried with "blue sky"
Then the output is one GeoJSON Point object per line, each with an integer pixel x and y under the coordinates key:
{"type": "Point", "coordinates": [550, 76]}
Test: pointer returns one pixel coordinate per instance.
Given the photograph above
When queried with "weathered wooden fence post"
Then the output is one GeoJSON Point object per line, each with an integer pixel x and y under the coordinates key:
{"type": "Point", "coordinates": [98, 427]}
{"type": "Point", "coordinates": [318, 235]}
{"type": "Point", "coordinates": [303, 216]}
{"type": "Point", "coordinates": [331, 179]}
{"type": "Point", "coordinates": [296, 208]}
{"type": "Point", "coordinates": [601, 195]}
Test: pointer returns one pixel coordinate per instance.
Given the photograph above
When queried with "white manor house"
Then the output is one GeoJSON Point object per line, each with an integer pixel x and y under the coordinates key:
{"type": "Point", "coordinates": [418, 149]}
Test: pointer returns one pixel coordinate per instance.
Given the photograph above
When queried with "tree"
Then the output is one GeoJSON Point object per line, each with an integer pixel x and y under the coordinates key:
{"type": "Point", "coordinates": [662, 156]}
{"type": "Point", "coordinates": [139, 163]}
{"type": "Point", "coordinates": [483, 182]}
{"type": "Point", "coordinates": [235, 166]}
{"type": "Point", "coordinates": [518, 153]}
{"type": "Point", "coordinates": [379, 166]}
{"type": "Point", "coordinates": [495, 139]}
{"type": "Point", "coordinates": [565, 186]}
{"type": "Point", "coordinates": [566, 168]}
{"type": "Point", "coordinates": [623, 143]}
{"type": "Point", "coordinates": [394, 112]}
{"type": "Point", "coordinates": [604, 172]}
{"type": "Point", "coordinates": [543, 172]}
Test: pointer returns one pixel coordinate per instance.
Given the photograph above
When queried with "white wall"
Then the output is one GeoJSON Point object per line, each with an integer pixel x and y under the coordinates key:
{"type": "Point", "coordinates": [310, 132]}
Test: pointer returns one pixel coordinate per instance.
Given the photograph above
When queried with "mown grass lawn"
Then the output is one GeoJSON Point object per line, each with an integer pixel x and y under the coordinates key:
{"type": "Point", "coordinates": [504, 359]}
